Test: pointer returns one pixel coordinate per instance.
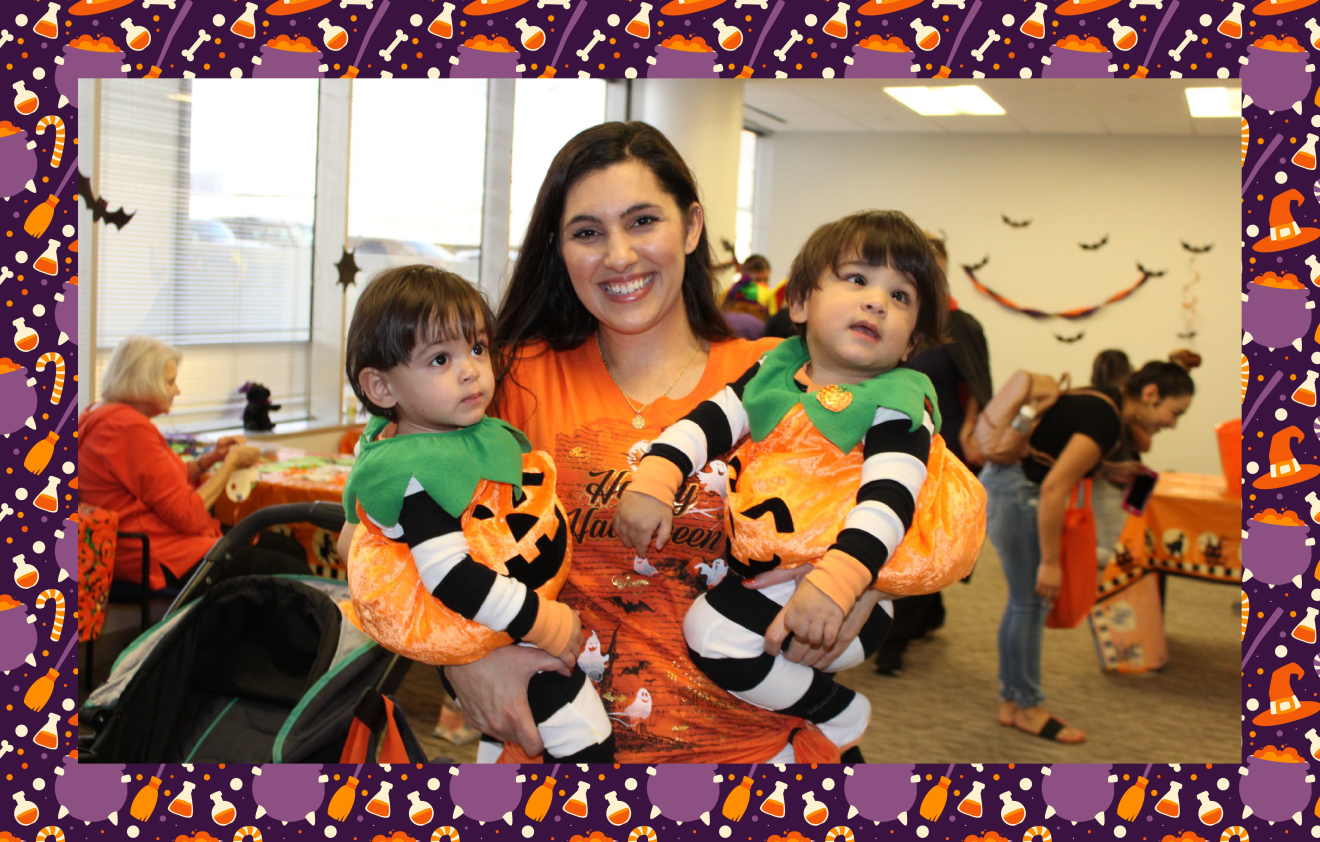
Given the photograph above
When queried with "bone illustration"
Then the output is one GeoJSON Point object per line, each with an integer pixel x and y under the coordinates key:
{"type": "Point", "coordinates": [990, 38]}
{"type": "Point", "coordinates": [5, 36]}
{"type": "Point", "coordinates": [596, 38]}
{"type": "Point", "coordinates": [794, 37]}
{"type": "Point", "coordinates": [201, 39]}
{"type": "Point", "coordinates": [344, 4]}
{"type": "Point", "coordinates": [5, 274]}
{"type": "Point", "coordinates": [147, 4]}
{"type": "Point", "coordinates": [1159, 4]}
{"type": "Point", "coordinates": [764, 4]}
{"type": "Point", "coordinates": [541, 4]}
{"type": "Point", "coordinates": [399, 37]}
{"type": "Point", "coordinates": [5, 511]}
{"type": "Point", "coordinates": [1176, 55]}
{"type": "Point", "coordinates": [935, 4]}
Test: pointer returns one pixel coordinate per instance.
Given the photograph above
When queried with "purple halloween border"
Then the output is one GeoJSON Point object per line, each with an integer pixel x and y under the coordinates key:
{"type": "Point", "coordinates": [39, 58]}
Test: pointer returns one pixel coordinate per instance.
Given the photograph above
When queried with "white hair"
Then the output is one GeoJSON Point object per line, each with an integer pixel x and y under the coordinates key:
{"type": "Point", "coordinates": [136, 372]}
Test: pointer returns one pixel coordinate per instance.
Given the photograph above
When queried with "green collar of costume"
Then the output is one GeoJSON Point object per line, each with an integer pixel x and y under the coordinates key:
{"type": "Point", "coordinates": [448, 465]}
{"type": "Point", "coordinates": [773, 392]}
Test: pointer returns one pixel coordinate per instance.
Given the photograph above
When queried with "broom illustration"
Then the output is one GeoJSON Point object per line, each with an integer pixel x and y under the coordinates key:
{"type": "Point", "coordinates": [39, 456]}
{"type": "Point", "coordinates": [341, 803]}
{"type": "Point", "coordinates": [144, 803]}
{"type": "Point", "coordinates": [1130, 804]}
{"type": "Point", "coordinates": [39, 693]}
{"type": "Point", "coordinates": [39, 219]}
{"type": "Point", "coordinates": [539, 803]}
{"type": "Point", "coordinates": [933, 804]}
{"type": "Point", "coordinates": [735, 804]}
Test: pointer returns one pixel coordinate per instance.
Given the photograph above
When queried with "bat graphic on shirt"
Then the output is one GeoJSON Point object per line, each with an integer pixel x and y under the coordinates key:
{"type": "Point", "coordinates": [635, 670]}
{"type": "Point", "coordinates": [631, 607]}
{"type": "Point", "coordinates": [1094, 246]}
{"type": "Point", "coordinates": [1013, 223]}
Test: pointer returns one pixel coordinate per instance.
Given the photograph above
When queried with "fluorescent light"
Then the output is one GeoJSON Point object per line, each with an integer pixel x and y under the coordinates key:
{"type": "Point", "coordinates": [946, 100]}
{"type": "Point", "coordinates": [1214, 102]}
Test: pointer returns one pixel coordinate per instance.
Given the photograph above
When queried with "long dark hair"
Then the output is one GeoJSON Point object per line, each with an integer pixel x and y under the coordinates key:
{"type": "Point", "coordinates": [539, 302]}
{"type": "Point", "coordinates": [1171, 379]}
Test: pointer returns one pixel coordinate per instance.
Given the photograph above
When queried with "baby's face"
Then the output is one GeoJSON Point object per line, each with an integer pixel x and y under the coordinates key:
{"type": "Point", "coordinates": [444, 385]}
{"type": "Point", "coordinates": [860, 320]}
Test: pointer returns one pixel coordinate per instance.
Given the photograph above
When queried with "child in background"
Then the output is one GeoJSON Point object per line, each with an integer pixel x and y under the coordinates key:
{"type": "Point", "coordinates": [462, 544]}
{"type": "Point", "coordinates": [827, 411]}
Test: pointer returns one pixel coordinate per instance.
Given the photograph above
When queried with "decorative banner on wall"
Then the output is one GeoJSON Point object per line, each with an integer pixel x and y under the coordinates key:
{"type": "Point", "coordinates": [1076, 313]}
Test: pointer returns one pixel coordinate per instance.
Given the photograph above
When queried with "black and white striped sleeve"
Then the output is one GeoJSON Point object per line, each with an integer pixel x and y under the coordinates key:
{"type": "Point", "coordinates": [709, 431]}
{"type": "Point", "coordinates": [893, 471]}
{"type": "Point", "coordinates": [450, 574]}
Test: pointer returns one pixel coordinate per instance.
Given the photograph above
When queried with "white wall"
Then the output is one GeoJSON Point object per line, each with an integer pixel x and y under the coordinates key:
{"type": "Point", "coordinates": [1145, 193]}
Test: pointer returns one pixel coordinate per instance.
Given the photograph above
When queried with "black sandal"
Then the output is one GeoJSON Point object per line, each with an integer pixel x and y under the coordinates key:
{"type": "Point", "coordinates": [1050, 731]}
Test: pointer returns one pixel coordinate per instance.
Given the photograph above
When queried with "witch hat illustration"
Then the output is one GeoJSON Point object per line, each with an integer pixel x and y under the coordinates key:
{"type": "Point", "coordinates": [1284, 705]}
{"type": "Point", "coordinates": [1284, 468]}
{"type": "Point", "coordinates": [1285, 233]}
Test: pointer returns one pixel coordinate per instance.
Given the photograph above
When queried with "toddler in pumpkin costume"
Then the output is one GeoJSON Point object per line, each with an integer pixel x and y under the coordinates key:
{"type": "Point", "coordinates": [462, 544]}
{"type": "Point", "coordinates": [841, 439]}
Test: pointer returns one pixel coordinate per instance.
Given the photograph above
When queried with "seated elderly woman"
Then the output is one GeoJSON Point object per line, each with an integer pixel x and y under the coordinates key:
{"type": "Point", "coordinates": [125, 464]}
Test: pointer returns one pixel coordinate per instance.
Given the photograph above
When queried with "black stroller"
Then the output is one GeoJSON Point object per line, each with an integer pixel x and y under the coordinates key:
{"type": "Point", "coordinates": [259, 669]}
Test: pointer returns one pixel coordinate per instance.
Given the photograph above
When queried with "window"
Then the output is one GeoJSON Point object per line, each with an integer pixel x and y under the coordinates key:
{"type": "Point", "coordinates": [217, 260]}
{"type": "Point", "coordinates": [746, 193]}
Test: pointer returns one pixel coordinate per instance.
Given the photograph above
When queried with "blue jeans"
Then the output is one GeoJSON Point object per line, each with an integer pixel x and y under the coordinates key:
{"type": "Point", "coordinates": [1012, 501]}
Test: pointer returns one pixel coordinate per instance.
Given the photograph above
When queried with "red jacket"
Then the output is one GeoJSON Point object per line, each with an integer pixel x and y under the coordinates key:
{"type": "Point", "coordinates": [124, 464]}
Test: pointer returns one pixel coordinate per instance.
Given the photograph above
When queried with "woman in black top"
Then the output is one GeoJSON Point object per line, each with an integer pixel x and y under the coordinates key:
{"type": "Point", "coordinates": [1025, 508]}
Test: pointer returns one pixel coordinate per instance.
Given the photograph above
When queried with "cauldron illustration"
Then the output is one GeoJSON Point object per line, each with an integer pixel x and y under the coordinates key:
{"type": "Point", "coordinates": [683, 793]}
{"type": "Point", "coordinates": [1273, 790]}
{"type": "Point", "coordinates": [672, 59]}
{"type": "Point", "coordinates": [486, 792]}
{"type": "Point", "coordinates": [1276, 317]}
{"type": "Point", "coordinates": [1066, 63]}
{"type": "Point", "coordinates": [1277, 552]}
{"type": "Point", "coordinates": [18, 397]}
{"type": "Point", "coordinates": [1078, 792]}
{"type": "Point", "coordinates": [869, 62]}
{"type": "Point", "coordinates": [881, 793]}
{"type": "Point", "coordinates": [85, 62]}
{"type": "Point", "coordinates": [18, 634]}
{"type": "Point", "coordinates": [287, 63]}
{"type": "Point", "coordinates": [18, 161]}
{"type": "Point", "coordinates": [91, 792]}
{"type": "Point", "coordinates": [66, 550]}
{"type": "Point", "coordinates": [1275, 79]}
{"type": "Point", "coordinates": [289, 792]}
{"type": "Point", "coordinates": [66, 311]}
{"type": "Point", "coordinates": [486, 58]}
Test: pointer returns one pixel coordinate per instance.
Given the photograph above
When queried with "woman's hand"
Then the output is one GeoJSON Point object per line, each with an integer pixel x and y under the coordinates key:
{"type": "Point", "coordinates": [1049, 578]}
{"type": "Point", "coordinates": [242, 456]}
{"type": "Point", "coordinates": [223, 445]}
{"type": "Point", "coordinates": [493, 693]}
{"type": "Point", "coordinates": [640, 516]}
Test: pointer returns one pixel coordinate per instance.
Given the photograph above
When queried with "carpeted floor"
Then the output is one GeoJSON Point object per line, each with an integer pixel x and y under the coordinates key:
{"type": "Point", "coordinates": [942, 708]}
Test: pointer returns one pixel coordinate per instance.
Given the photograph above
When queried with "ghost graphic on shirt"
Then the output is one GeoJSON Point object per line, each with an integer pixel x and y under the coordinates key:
{"type": "Point", "coordinates": [592, 660]}
{"type": "Point", "coordinates": [636, 452]}
{"type": "Point", "coordinates": [637, 712]}
{"type": "Point", "coordinates": [714, 572]}
{"type": "Point", "coordinates": [642, 566]}
{"type": "Point", "coordinates": [716, 480]}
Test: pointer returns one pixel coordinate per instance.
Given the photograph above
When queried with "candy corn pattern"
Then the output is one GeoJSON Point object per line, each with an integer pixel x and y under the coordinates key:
{"type": "Point", "coordinates": [57, 625]}
{"type": "Point", "coordinates": [56, 153]}
{"type": "Point", "coordinates": [56, 390]}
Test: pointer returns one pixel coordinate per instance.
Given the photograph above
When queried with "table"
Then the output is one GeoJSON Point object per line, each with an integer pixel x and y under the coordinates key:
{"type": "Point", "coordinates": [1192, 527]}
{"type": "Point", "coordinates": [297, 477]}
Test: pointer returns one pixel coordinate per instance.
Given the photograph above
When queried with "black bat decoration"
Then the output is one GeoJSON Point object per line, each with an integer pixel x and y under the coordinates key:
{"type": "Point", "coordinates": [635, 670]}
{"type": "Point", "coordinates": [1094, 246]}
{"type": "Point", "coordinates": [118, 217]}
{"type": "Point", "coordinates": [1189, 335]}
{"type": "Point", "coordinates": [1014, 223]}
{"type": "Point", "coordinates": [1143, 270]}
{"type": "Point", "coordinates": [348, 269]}
{"type": "Point", "coordinates": [1069, 339]}
{"type": "Point", "coordinates": [974, 267]}
{"type": "Point", "coordinates": [631, 607]}
{"type": "Point", "coordinates": [1196, 249]}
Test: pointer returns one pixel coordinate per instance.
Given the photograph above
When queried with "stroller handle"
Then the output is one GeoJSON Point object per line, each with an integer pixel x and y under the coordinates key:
{"type": "Point", "coordinates": [328, 516]}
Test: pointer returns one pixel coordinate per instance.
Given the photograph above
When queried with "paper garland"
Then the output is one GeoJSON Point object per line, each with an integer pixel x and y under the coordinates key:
{"type": "Point", "coordinates": [1075, 313]}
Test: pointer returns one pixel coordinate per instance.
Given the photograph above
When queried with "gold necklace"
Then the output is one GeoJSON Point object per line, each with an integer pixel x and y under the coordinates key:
{"type": "Point", "coordinates": [638, 422]}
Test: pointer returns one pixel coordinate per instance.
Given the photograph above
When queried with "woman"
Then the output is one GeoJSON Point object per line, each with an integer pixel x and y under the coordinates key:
{"type": "Point", "coordinates": [612, 316]}
{"type": "Point", "coordinates": [1025, 520]}
{"type": "Point", "coordinates": [124, 464]}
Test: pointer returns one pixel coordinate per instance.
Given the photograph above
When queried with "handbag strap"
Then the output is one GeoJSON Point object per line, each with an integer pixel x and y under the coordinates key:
{"type": "Point", "coordinates": [1046, 459]}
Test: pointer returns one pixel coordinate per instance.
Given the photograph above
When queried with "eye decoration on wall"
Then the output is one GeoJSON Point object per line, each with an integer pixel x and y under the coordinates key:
{"type": "Point", "coordinates": [1012, 223]}
{"type": "Point", "coordinates": [1070, 339]}
{"type": "Point", "coordinates": [117, 217]}
{"type": "Point", "coordinates": [1074, 313]}
{"type": "Point", "coordinates": [348, 269]}
{"type": "Point", "coordinates": [1094, 246]}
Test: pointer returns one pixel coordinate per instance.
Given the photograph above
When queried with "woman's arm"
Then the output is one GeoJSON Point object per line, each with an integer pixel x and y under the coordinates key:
{"type": "Point", "coordinates": [1079, 456]}
{"type": "Point", "coordinates": [493, 692]}
{"type": "Point", "coordinates": [235, 458]}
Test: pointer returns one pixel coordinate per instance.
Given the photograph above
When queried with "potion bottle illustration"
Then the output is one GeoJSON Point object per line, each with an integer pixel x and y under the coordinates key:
{"type": "Point", "coordinates": [730, 37]}
{"type": "Point", "coordinates": [182, 805]}
{"type": "Point", "coordinates": [49, 25]}
{"type": "Point", "coordinates": [1012, 812]}
{"type": "Point", "coordinates": [928, 37]}
{"type": "Point", "coordinates": [1305, 393]}
{"type": "Point", "coordinates": [577, 805]}
{"type": "Point", "coordinates": [334, 37]}
{"type": "Point", "coordinates": [246, 25]}
{"type": "Point", "coordinates": [25, 338]}
{"type": "Point", "coordinates": [837, 25]}
{"type": "Point", "coordinates": [47, 500]}
{"type": "Point", "coordinates": [1125, 37]}
{"type": "Point", "coordinates": [640, 25]}
{"type": "Point", "coordinates": [615, 810]}
{"type": "Point", "coordinates": [418, 810]}
{"type": "Point", "coordinates": [138, 37]}
{"type": "Point", "coordinates": [1168, 803]}
{"type": "Point", "coordinates": [1034, 26]}
{"type": "Point", "coordinates": [1305, 630]}
{"type": "Point", "coordinates": [533, 37]}
{"type": "Point", "coordinates": [25, 575]}
{"type": "Point", "coordinates": [1209, 812]}
{"type": "Point", "coordinates": [49, 736]}
{"type": "Point", "coordinates": [971, 804]}
{"type": "Point", "coordinates": [48, 262]}
{"type": "Point", "coordinates": [379, 805]}
{"type": "Point", "coordinates": [1305, 157]}
{"type": "Point", "coordinates": [773, 805]}
{"type": "Point", "coordinates": [222, 813]}
{"type": "Point", "coordinates": [1231, 25]}
{"type": "Point", "coordinates": [814, 812]}
{"type": "Point", "coordinates": [25, 102]}
{"type": "Point", "coordinates": [443, 25]}
{"type": "Point", "coordinates": [25, 812]}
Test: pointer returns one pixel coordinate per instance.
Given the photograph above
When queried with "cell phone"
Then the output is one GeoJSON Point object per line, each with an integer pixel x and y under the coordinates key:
{"type": "Point", "coordinates": [1138, 492]}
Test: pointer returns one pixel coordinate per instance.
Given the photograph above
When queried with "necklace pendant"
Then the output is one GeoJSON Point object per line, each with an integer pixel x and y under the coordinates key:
{"type": "Point", "coordinates": [638, 422]}
{"type": "Point", "coordinates": [835, 398]}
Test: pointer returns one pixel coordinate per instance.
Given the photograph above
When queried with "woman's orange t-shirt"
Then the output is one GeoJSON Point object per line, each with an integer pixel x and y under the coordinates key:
{"type": "Point", "coordinates": [664, 710]}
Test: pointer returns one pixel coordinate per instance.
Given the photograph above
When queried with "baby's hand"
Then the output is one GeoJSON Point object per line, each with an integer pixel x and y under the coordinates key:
{"type": "Point", "coordinates": [812, 617]}
{"type": "Point", "coordinates": [575, 642]}
{"type": "Point", "coordinates": [640, 516]}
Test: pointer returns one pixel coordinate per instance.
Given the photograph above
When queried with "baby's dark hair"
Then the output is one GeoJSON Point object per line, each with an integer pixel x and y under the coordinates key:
{"type": "Point", "coordinates": [411, 305]}
{"type": "Point", "coordinates": [881, 239]}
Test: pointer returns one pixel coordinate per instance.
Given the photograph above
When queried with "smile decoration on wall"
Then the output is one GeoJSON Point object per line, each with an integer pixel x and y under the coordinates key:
{"type": "Point", "coordinates": [1074, 313]}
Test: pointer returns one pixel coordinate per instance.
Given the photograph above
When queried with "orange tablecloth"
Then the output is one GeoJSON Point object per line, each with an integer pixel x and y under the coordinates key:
{"type": "Point", "coordinates": [298, 480]}
{"type": "Point", "coordinates": [1192, 527]}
